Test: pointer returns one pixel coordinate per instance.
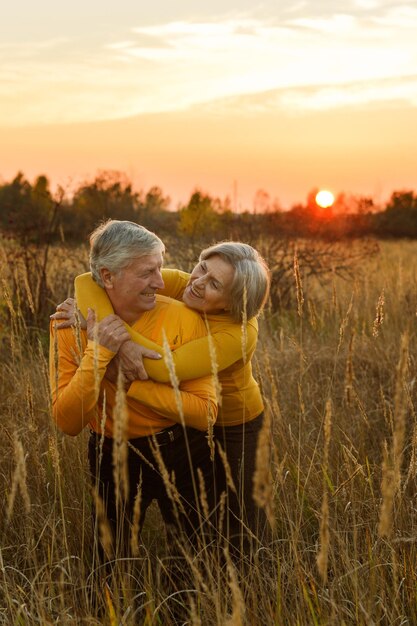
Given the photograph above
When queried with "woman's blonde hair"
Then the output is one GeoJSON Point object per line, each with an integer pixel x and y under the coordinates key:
{"type": "Point", "coordinates": [251, 275]}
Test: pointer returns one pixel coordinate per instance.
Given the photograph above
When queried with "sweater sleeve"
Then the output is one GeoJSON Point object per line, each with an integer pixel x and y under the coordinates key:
{"type": "Point", "coordinates": [191, 360]}
{"type": "Point", "coordinates": [75, 375]}
{"type": "Point", "coordinates": [195, 404]}
{"type": "Point", "coordinates": [175, 283]}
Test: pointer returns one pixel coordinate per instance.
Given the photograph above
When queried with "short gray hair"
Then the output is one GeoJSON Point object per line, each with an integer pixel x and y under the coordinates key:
{"type": "Point", "coordinates": [115, 243]}
{"type": "Point", "coordinates": [251, 273]}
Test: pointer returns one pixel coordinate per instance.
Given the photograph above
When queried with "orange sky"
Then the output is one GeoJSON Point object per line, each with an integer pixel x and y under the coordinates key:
{"type": "Point", "coordinates": [368, 152]}
{"type": "Point", "coordinates": [228, 97]}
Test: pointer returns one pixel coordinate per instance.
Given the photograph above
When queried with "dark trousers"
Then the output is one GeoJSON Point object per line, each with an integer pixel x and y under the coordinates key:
{"type": "Point", "coordinates": [174, 468]}
{"type": "Point", "coordinates": [244, 525]}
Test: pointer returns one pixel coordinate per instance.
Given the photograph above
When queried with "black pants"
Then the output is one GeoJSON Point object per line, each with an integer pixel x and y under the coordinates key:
{"type": "Point", "coordinates": [165, 468]}
{"type": "Point", "coordinates": [244, 526]}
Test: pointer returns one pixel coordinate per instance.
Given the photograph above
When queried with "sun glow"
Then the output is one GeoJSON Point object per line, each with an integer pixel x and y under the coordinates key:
{"type": "Point", "coordinates": [324, 199]}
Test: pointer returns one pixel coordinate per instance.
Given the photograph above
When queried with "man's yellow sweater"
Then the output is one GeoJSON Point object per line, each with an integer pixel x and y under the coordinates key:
{"type": "Point", "coordinates": [81, 393]}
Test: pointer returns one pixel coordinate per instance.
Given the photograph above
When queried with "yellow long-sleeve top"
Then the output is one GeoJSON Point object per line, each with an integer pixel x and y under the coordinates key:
{"type": "Point", "coordinates": [233, 346]}
{"type": "Point", "coordinates": [80, 391]}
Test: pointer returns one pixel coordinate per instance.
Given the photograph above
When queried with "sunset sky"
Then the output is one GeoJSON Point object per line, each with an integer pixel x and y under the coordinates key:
{"type": "Point", "coordinates": [226, 96]}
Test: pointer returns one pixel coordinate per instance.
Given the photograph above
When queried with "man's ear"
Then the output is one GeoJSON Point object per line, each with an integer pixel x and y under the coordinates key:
{"type": "Point", "coordinates": [107, 278]}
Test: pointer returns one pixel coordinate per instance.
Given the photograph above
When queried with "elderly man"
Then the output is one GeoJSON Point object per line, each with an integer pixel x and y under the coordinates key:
{"type": "Point", "coordinates": [137, 450]}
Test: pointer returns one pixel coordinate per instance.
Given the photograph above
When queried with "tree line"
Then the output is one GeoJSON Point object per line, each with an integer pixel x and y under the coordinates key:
{"type": "Point", "coordinates": [32, 213]}
{"type": "Point", "coordinates": [44, 235]}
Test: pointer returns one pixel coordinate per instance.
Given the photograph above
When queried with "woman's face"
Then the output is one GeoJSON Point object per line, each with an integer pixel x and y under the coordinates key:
{"type": "Point", "coordinates": [208, 289]}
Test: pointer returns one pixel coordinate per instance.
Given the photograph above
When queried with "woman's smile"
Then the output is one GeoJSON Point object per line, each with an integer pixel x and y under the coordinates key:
{"type": "Point", "coordinates": [208, 289]}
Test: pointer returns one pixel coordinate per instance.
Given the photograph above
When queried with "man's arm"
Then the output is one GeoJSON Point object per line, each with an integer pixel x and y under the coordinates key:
{"type": "Point", "coordinates": [194, 405]}
{"type": "Point", "coordinates": [192, 401]}
{"type": "Point", "coordinates": [76, 371]}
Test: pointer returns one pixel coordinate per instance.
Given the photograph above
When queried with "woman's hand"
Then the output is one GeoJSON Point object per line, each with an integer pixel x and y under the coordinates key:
{"type": "Point", "coordinates": [68, 312]}
{"type": "Point", "coordinates": [131, 360]}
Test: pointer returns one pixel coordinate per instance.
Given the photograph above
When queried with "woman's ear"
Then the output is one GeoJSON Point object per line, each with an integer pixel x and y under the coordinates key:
{"type": "Point", "coordinates": [107, 278]}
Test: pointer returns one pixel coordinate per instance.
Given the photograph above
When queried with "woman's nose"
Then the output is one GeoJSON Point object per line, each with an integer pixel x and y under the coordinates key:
{"type": "Point", "coordinates": [199, 281]}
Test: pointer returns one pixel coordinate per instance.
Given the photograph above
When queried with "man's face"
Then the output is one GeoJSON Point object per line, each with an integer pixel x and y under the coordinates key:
{"type": "Point", "coordinates": [132, 291]}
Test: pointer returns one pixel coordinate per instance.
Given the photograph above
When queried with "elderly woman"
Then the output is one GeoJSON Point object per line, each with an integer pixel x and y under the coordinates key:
{"type": "Point", "coordinates": [228, 287]}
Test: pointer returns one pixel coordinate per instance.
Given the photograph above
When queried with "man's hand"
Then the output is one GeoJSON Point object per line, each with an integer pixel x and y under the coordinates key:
{"type": "Point", "coordinates": [68, 312]}
{"type": "Point", "coordinates": [110, 332]}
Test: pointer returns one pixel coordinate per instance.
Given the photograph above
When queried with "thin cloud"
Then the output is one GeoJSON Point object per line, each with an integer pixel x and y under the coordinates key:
{"type": "Point", "coordinates": [339, 24]}
{"type": "Point", "coordinates": [358, 94]}
{"type": "Point", "coordinates": [177, 64]}
{"type": "Point", "coordinates": [34, 45]}
{"type": "Point", "coordinates": [10, 51]}
{"type": "Point", "coordinates": [403, 17]}
{"type": "Point", "coordinates": [120, 45]}
{"type": "Point", "coordinates": [367, 5]}
{"type": "Point", "coordinates": [141, 40]}
{"type": "Point", "coordinates": [352, 95]}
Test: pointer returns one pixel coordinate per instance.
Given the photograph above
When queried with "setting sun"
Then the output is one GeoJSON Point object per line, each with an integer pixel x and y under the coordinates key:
{"type": "Point", "coordinates": [324, 198]}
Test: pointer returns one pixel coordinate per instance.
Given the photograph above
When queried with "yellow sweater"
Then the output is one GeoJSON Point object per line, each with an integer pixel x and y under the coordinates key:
{"type": "Point", "coordinates": [80, 392]}
{"type": "Point", "coordinates": [241, 399]}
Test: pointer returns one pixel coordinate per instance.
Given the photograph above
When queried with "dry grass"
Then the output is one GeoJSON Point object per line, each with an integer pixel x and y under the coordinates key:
{"type": "Point", "coordinates": [338, 375]}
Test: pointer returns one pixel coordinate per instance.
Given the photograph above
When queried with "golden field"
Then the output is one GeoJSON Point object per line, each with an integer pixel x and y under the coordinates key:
{"type": "Point", "coordinates": [338, 372]}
